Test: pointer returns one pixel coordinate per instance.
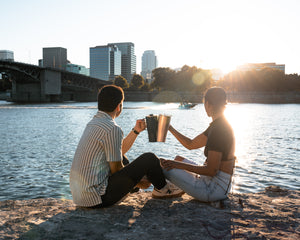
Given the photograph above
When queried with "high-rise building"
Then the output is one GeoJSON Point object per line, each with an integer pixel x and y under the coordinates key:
{"type": "Point", "coordinates": [149, 62]}
{"type": "Point", "coordinates": [6, 55]}
{"type": "Point", "coordinates": [105, 62]}
{"type": "Point", "coordinates": [55, 57]}
{"type": "Point", "coordinates": [128, 59]}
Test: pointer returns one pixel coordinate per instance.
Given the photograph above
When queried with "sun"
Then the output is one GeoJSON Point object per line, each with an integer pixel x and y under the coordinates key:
{"type": "Point", "coordinates": [227, 67]}
{"type": "Point", "coordinates": [222, 69]}
{"type": "Point", "coordinates": [221, 66]}
{"type": "Point", "coordinates": [226, 64]}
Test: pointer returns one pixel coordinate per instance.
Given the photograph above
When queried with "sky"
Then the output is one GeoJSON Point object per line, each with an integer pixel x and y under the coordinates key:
{"type": "Point", "coordinates": [207, 34]}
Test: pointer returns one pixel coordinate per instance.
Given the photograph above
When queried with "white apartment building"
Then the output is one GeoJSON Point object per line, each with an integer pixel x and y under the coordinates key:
{"type": "Point", "coordinates": [149, 62]}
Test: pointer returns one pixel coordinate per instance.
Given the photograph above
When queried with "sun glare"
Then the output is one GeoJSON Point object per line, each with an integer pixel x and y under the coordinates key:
{"type": "Point", "coordinates": [228, 67]}
{"type": "Point", "coordinates": [199, 78]}
{"type": "Point", "coordinates": [240, 121]}
{"type": "Point", "coordinates": [221, 67]}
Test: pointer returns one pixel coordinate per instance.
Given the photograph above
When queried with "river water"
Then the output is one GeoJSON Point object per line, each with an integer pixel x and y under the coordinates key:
{"type": "Point", "coordinates": [37, 143]}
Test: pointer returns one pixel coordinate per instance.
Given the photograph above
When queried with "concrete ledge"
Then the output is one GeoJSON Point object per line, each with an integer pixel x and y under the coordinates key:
{"type": "Point", "coordinates": [272, 214]}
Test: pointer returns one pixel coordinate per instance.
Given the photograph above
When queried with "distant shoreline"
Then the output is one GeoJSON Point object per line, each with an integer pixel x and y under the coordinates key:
{"type": "Point", "coordinates": [233, 97]}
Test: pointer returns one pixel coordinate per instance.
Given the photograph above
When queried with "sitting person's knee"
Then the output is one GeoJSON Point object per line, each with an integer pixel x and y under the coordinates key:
{"type": "Point", "coordinates": [150, 157]}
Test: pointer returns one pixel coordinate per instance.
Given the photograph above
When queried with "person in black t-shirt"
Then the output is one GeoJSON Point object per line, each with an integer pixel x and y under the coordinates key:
{"type": "Point", "coordinates": [211, 181]}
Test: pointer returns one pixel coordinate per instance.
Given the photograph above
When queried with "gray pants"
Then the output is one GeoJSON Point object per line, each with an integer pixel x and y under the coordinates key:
{"type": "Point", "coordinates": [203, 188]}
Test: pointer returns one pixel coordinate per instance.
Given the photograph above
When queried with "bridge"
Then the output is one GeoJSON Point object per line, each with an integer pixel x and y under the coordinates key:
{"type": "Point", "coordinates": [31, 83]}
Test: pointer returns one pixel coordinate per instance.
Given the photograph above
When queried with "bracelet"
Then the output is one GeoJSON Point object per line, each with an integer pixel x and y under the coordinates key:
{"type": "Point", "coordinates": [135, 131]}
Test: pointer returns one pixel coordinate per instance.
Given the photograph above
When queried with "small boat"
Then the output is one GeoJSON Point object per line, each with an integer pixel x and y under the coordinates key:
{"type": "Point", "coordinates": [187, 105]}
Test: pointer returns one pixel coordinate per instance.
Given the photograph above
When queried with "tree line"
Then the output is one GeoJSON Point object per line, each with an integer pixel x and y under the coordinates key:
{"type": "Point", "coordinates": [196, 80]}
{"type": "Point", "coordinates": [265, 80]}
{"type": "Point", "coordinates": [188, 79]}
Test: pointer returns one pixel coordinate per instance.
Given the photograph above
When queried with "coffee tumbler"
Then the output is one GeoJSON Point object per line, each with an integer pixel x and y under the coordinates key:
{"type": "Point", "coordinates": [163, 127]}
{"type": "Point", "coordinates": [152, 124]}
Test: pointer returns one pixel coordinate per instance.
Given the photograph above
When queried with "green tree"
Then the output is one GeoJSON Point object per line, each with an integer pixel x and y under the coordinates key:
{"type": "Point", "coordinates": [193, 79]}
{"type": "Point", "coordinates": [292, 82]}
{"type": "Point", "coordinates": [265, 80]}
{"type": "Point", "coordinates": [137, 82]}
{"type": "Point", "coordinates": [121, 82]}
{"type": "Point", "coordinates": [163, 78]}
{"type": "Point", "coordinates": [271, 80]}
{"type": "Point", "coordinates": [145, 87]}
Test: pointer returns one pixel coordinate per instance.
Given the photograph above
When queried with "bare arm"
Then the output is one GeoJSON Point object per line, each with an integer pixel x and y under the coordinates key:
{"type": "Point", "coordinates": [131, 137]}
{"type": "Point", "coordinates": [128, 142]}
{"type": "Point", "coordinates": [210, 169]}
{"type": "Point", "coordinates": [197, 142]}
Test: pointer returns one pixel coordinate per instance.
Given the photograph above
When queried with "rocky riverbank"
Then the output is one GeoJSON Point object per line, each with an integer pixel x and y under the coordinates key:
{"type": "Point", "coordinates": [272, 214]}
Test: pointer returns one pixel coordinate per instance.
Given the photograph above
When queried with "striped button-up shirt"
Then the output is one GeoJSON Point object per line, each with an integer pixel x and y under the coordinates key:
{"type": "Point", "coordinates": [100, 144]}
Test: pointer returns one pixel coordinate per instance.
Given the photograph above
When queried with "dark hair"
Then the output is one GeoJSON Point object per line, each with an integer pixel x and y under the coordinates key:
{"type": "Point", "coordinates": [109, 97]}
{"type": "Point", "coordinates": [216, 96]}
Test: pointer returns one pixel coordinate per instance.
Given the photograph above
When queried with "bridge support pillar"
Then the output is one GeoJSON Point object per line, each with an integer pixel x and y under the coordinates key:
{"type": "Point", "coordinates": [25, 92]}
{"type": "Point", "coordinates": [50, 86]}
{"type": "Point", "coordinates": [47, 90]}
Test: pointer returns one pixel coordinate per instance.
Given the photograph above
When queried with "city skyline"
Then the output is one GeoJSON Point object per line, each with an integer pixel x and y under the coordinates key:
{"type": "Point", "coordinates": [205, 34]}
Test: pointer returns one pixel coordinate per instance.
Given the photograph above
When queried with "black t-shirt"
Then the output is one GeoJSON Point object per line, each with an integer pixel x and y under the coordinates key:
{"type": "Point", "coordinates": [220, 137]}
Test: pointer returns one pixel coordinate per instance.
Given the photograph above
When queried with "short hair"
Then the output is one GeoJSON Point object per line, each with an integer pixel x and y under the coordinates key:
{"type": "Point", "coordinates": [109, 97]}
{"type": "Point", "coordinates": [216, 96]}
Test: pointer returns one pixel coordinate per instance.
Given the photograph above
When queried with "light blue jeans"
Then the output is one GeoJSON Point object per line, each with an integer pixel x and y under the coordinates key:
{"type": "Point", "coordinates": [203, 188]}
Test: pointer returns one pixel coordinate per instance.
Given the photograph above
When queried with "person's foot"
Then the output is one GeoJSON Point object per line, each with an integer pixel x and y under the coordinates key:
{"type": "Point", "coordinates": [168, 191]}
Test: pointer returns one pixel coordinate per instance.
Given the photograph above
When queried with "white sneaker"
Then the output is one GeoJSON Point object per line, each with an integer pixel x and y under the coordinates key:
{"type": "Point", "coordinates": [168, 191]}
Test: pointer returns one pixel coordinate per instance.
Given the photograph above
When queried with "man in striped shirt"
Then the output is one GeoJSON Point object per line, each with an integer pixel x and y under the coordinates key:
{"type": "Point", "coordinates": [98, 177]}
